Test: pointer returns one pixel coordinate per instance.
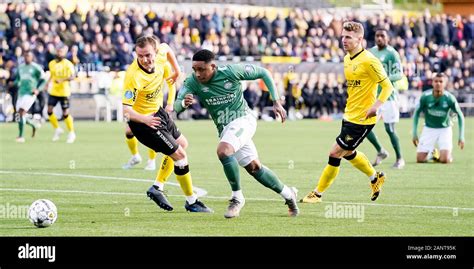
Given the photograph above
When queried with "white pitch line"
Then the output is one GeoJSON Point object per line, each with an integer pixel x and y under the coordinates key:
{"type": "Point", "coordinates": [199, 191]}
{"type": "Point", "coordinates": [225, 198]}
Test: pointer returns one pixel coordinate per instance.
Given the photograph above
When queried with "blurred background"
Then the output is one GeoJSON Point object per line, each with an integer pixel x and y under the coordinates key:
{"type": "Point", "coordinates": [298, 41]}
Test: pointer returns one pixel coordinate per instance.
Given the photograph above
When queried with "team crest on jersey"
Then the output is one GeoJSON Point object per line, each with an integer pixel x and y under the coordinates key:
{"type": "Point", "coordinates": [248, 68]}
{"type": "Point", "coordinates": [228, 85]}
{"type": "Point", "coordinates": [348, 138]}
{"type": "Point", "coordinates": [128, 94]}
{"type": "Point", "coordinates": [354, 67]}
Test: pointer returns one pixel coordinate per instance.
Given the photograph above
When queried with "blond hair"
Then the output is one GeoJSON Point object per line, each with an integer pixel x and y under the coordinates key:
{"type": "Point", "coordinates": [353, 26]}
{"type": "Point", "coordinates": [147, 39]}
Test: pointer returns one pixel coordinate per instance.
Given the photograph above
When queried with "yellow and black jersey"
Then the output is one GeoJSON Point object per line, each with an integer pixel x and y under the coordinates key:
{"type": "Point", "coordinates": [143, 90]}
{"type": "Point", "coordinates": [61, 70]}
{"type": "Point", "coordinates": [363, 72]}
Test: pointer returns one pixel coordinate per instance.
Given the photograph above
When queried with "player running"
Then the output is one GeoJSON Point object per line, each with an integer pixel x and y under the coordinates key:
{"type": "Point", "coordinates": [363, 72]}
{"type": "Point", "coordinates": [389, 112]}
{"type": "Point", "coordinates": [151, 124]}
{"type": "Point", "coordinates": [220, 90]}
{"type": "Point", "coordinates": [30, 81]}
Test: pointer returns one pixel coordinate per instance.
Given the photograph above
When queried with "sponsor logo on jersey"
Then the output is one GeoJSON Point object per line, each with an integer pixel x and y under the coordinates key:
{"type": "Point", "coordinates": [128, 94]}
{"type": "Point", "coordinates": [228, 85]}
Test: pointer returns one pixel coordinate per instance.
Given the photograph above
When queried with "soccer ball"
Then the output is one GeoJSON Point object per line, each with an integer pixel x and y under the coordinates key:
{"type": "Point", "coordinates": [42, 213]}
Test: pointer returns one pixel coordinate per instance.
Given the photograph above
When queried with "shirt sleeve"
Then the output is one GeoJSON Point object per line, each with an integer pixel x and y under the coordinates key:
{"type": "Point", "coordinates": [377, 74]}
{"type": "Point", "coordinates": [252, 72]}
{"type": "Point", "coordinates": [416, 116]}
{"type": "Point", "coordinates": [171, 86]}
{"type": "Point", "coordinates": [186, 89]}
{"type": "Point", "coordinates": [455, 107]}
{"type": "Point", "coordinates": [396, 70]}
{"type": "Point", "coordinates": [130, 90]}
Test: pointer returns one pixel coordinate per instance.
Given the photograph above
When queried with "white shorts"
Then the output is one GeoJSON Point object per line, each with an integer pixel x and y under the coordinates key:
{"type": "Point", "coordinates": [431, 136]}
{"type": "Point", "coordinates": [239, 133]}
{"type": "Point", "coordinates": [389, 112]}
{"type": "Point", "coordinates": [25, 102]}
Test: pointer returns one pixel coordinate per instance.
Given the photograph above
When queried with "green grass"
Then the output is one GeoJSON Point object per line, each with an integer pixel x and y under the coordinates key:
{"type": "Point", "coordinates": [416, 201]}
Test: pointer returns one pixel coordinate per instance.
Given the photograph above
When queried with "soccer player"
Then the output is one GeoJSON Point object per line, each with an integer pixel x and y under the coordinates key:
{"type": "Point", "coordinates": [62, 72]}
{"type": "Point", "coordinates": [390, 110]}
{"type": "Point", "coordinates": [437, 104]}
{"type": "Point", "coordinates": [363, 71]}
{"type": "Point", "coordinates": [132, 141]}
{"type": "Point", "coordinates": [30, 81]}
{"type": "Point", "coordinates": [151, 124]}
{"type": "Point", "coordinates": [220, 90]}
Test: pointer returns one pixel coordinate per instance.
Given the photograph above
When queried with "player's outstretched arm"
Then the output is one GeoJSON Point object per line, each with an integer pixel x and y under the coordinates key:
{"type": "Point", "coordinates": [174, 63]}
{"type": "Point", "coordinates": [416, 116]}
{"type": "Point", "coordinates": [458, 111]}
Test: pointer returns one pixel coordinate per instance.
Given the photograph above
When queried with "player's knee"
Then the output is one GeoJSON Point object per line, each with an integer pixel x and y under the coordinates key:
{"type": "Point", "coordinates": [179, 154]}
{"type": "Point", "coordinates": [224, 150]}
{"type": "Point", "coordinates": [253, 167]}
{"type": "Point", "coordinates": [65, 116]}
{"type": "Point", "coordinates": [181, 167]}
{"type": "Point", "coordinates": [129, 135]}
{"type": "Point", "coordinates": [445, 160]}
{"type": "Point", "coordinates": [50, 112]}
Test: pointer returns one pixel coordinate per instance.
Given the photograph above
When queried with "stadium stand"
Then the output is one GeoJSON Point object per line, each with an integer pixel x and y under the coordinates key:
{"type": "Point", "coordinates": [101, 46]}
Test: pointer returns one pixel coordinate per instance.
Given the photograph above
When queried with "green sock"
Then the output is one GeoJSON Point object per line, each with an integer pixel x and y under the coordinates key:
{"type": "Point", "coordinates": [21, 124]}
{"type": "Point", "coordinates": [267, 178]}
{"type": "Point", "coordinates": [373, 139]}
{"type": "Point", "coordinates": [29, 122]}
{"type": "Point", "coordinates": [231, 170]}
{"type": "Point", "coordinates": [390, 128]}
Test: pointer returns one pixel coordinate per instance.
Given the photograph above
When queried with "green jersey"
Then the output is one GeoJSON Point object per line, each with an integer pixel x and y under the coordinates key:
{"type": "Point", "coordinates": [222, 95]}
{"type": "Point", "coordinates": [29, 77]}
{"type": "Point", "coordinates": [391, 63]}
{"type": "Point", "coordinates": [437, 112]}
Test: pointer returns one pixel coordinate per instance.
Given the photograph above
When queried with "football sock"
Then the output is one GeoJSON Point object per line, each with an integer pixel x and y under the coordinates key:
{"type": "Point", "coordinates": [69, 123]}
{"type": "Point", "coordinates": [54, 121]}
{"type": "Point", "coordinates": [132, 145]}
{"type": "Point", "coordinates": [21, 124]}
{"type": "Point", "coordinates": [151, 154]}
{"type": "Point", "coordinates": [267, 178]}
{"type": "Point", "coordinates": [238, 194]}
{"type": "Point", "coordinates": [390, 128]}
{"type": "Point", "coordinates": [329, 174]}
{"type": "Point", "coordinates": [165, 170]}
{"type": "Point", "coordinates": [373, 139]}
{"type": "Point", "coordinates": [191, 199]}
{"type": "Point", "coordinates": [360, 161]}
{"type": "Point", "coordinates": [231, 170]}
{"type": "Point", "coordinates": [184, 178]}
{"type": "Point", "coordinates": [286, 192]}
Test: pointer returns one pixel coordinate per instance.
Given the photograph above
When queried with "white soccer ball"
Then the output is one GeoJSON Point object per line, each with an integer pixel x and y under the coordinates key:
{"type": "Point", "coordinates": [42, 213]}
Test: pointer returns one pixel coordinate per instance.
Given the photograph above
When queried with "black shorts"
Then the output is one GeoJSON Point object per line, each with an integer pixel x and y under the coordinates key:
{"type": "Point", "coordinates": [352, 134]}
{"type": "Point", "coordinates": [163, 139]}
{"type": "Point", "coordinates": [53, 100]}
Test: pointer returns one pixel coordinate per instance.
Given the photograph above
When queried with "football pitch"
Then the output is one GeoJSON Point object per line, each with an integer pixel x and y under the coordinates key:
{"type": "Point", "coordinates": [95, 197]}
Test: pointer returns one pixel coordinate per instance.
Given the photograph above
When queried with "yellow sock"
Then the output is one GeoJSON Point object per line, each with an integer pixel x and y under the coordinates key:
{"type": "Point", "coordinates": [133, 145]}
{"type": "Point", "coordinates": [166, 168]}
{"type": "Point", "coordinates": [327, 177]}
{"type": "Point", "coordinates": [361, 162]}
{"type": "Point", "coordinates": [54, 121]}
{"type": "Point", "coordinates": [186, 183]}
{"type": "Point", "coordinates": [151, 154]}
{"type": "Point", "coordinates": [69, 123]}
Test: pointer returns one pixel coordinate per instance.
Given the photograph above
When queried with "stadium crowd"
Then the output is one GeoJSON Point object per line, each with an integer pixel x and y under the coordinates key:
{"type": "Point", "coordinates": [104, 38]}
